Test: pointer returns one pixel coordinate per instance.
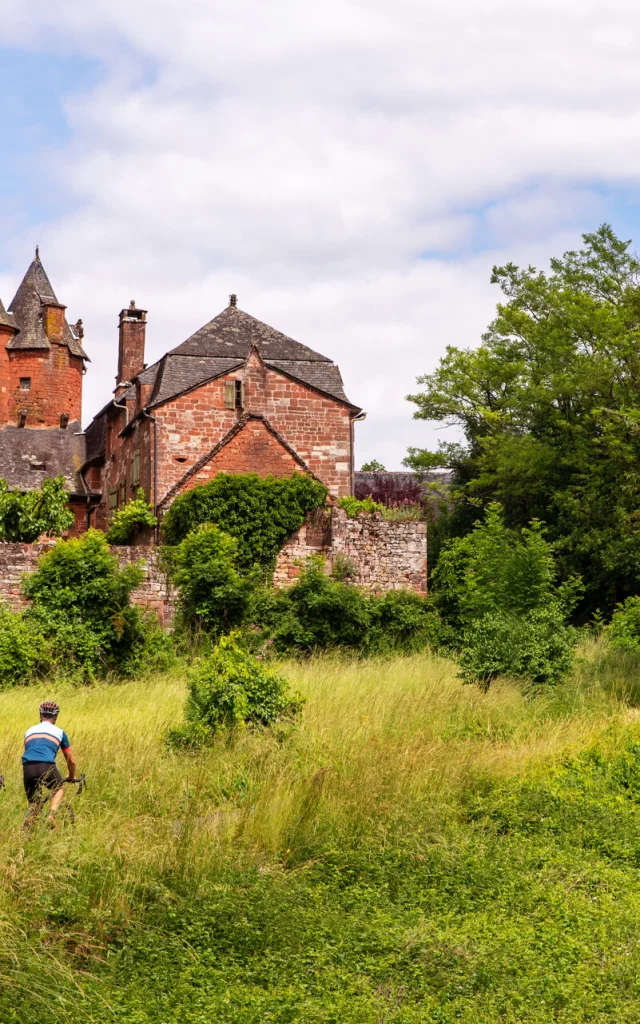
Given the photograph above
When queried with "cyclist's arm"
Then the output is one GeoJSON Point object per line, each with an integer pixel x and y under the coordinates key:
{"type": "Point", "coordinates": [71, 762]}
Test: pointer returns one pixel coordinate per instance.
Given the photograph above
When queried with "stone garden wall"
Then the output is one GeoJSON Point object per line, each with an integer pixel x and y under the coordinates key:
{"type": "Point", "coordinates": [381, 556]}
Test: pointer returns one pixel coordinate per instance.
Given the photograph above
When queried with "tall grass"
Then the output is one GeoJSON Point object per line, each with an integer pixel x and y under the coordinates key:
{"type": "Point", "coordinates": [388, 756]}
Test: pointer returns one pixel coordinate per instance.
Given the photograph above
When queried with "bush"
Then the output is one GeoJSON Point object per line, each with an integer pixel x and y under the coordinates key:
{"type": "Point", "coordinates": [537, 646]}
{"type": "Point", "coordinates": [624, 631]}
{"type": "Point", "coordinates": [496, 589]}
{"type": "Point", "coordinates": [230, 689]}
{"type": "Point", "coordinates": [24, 652]}
{"type": "Point", "coordinates": [136, 515]}
{"type": "Point", "coordinates": [400, 512]}
{"type": "Point", "coordinates": [320, 613]}
{"type": "Point", "coordinates": [81, 604]}
{"type": "Point", "coordinates": [212, 593]}
{"type": "Point", "coordinates": [260, 512]}
{"type": "Point", "coordinates": [25, 517]}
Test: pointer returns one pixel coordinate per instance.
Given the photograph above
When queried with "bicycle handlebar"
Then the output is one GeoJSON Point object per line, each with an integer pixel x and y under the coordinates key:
{"type": "Point", "coordinates": [81, 781]}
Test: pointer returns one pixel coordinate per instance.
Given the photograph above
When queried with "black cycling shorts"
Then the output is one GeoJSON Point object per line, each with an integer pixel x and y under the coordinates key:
{"type": "Point", "coordinates": [37, 774]}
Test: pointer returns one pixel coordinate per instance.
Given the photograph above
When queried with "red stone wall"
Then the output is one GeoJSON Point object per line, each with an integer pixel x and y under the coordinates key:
{"type": "Point", "coordinates": [56, 385]}
{"type": "Point", "coordinates": [254, 446]}
{"type": "Point", "coordinates": [317, 428]}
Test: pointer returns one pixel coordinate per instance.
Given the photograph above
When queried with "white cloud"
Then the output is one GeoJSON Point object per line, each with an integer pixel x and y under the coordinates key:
{"type": "Point", "coordinates": [331, 163]}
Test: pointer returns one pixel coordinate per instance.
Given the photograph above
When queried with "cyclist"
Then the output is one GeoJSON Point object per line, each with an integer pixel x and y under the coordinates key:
{"type": "Point", "coordinates": [41, 745]}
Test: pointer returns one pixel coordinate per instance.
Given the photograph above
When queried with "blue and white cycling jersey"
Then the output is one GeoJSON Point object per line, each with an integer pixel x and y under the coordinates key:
{"type": "Point", "coordinates": [43, 741]}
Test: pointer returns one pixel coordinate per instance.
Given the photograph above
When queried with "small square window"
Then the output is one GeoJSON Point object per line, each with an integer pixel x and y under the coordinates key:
{"type": "Point", "coordinates": [25, 383]}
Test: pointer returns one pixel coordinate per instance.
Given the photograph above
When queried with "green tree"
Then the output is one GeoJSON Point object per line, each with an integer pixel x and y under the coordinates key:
{"type": "Point", "coordinates": [549, 405]}
{"type": "Point", "coordinates": [372, 467]}
{"type": "Point", "coordinates": [43, 512]}
{"type": "Point", "coordinates": [203, 568]}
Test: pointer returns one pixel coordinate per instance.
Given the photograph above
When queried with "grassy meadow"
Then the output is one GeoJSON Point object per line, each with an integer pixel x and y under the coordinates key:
{"type": "Point", "coordinates": [414, 850]}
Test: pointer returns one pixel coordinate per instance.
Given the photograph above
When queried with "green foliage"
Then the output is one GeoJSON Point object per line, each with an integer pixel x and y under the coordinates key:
{"type": "Point", "coordinates": [536, 646]}
{"type": "Point", "coordinates": [25, 654]}
{"type": "Point", "coordinates": [401, 513]}
{"type": "Point", "coordinates": [42, 512]}
{"type": "Point", "coordinates": [549, 407]}
{"type": "Point", "coordinates": [497, 589]}
{"type": "Point", "coordinates": [81, 605]}
{"type": "Point", "coordinates": [322, 613]}
{"type": "Point", "coordinates": [260, 512]}
{"type": "Point", "coordinates": [213, 596]}
{"type": "Point", "coordinates": [230, 689]}
{"type": "Point", "coordinates": [624, 631]}
{"type": "Point", "coordinates": [137, 514]}
{"type": "Point", "coordinates": [359, 506]}
{"type": "Point", "coordinates": [373, 466]}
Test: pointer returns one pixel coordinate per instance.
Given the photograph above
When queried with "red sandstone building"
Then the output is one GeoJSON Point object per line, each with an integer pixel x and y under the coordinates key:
{"type": "Point", "coordinates": [237, 396]}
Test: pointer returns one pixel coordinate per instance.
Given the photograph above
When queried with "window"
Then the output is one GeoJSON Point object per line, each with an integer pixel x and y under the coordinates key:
{"type": "Point", "coordinates": [234, 394]}
{"type": "Point", "coordinates": [25, 383]}
{"type": "Point", "coordinates": [113, 501]}
{"type": "Point", "coordinates": [135, 469]}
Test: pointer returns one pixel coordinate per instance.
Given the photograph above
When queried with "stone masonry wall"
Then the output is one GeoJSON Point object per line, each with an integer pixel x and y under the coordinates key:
{"type": "Point", "coordinates": [153, 593]}
{"type": "Point", "coordinates": [385, 555]}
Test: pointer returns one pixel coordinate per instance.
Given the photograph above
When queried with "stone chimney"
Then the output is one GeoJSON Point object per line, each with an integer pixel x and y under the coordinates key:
{"type": "Point", "coordinates": [132, 328]}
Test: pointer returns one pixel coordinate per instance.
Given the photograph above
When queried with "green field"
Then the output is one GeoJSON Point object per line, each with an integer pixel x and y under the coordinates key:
{"type": "Point", "coordinates": [412, 851]}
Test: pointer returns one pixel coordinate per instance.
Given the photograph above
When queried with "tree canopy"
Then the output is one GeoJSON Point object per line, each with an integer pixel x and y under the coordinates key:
{"type": "Point", "coordinates": [549, 404]}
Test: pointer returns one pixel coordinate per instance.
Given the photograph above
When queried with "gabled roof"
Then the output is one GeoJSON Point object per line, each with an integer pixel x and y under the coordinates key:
{"type": "Point", "coordinates": [35, 291]}
{"type": "Point", "coordinates": [224, 344]}
{"type": "Point", "coordinates": [233, 333]}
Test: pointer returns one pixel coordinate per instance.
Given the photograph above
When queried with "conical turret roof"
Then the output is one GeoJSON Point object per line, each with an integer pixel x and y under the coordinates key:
{"type": "Point", "coordinates": [35, 291]}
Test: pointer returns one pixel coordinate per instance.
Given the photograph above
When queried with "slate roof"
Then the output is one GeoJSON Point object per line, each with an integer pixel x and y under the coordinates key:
{"type": "Point", "coordinates": [29, 455]}
{"type": "Point", "coordinates": [26, 307]}
{"type": "Point", "coordinates": [225, 342]}
{"type": "Point", "coordinates": [7, 319]}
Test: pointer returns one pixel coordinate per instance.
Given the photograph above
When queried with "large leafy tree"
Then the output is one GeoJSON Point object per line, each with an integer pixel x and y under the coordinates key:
{"type": "Point", "coordinates": [549, 405]}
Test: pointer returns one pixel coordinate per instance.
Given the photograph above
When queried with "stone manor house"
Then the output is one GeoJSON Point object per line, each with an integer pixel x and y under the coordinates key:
{"type": "Point", "coordinates": [237, 396]}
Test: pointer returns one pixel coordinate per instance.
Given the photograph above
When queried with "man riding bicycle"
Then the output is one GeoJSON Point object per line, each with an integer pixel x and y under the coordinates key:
{"type": "Point", "coordinates": [41, 745]}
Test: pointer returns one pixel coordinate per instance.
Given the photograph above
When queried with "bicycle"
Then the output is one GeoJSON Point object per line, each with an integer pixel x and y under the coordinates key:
{"type": "Point", "coordinates": [65, 814]}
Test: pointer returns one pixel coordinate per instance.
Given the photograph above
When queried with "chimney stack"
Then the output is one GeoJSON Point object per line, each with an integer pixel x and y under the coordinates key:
{"type": "Point", "coordinates": [132, 328]}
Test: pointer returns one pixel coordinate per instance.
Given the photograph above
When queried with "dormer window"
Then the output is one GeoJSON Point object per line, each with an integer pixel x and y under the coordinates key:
{"type": "Point", "coordinates": [25, 383]}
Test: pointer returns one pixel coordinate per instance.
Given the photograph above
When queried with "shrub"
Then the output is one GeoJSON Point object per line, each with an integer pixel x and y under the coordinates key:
{"type": "Point", "coordinates": [400, 512]}
{"type": "Point", "coordinates": [231, 688]}
{"type": "Point", "coordinates": [81, 604]}
{"type": "Point", "coordinates": [320, 613]}
{"type": "Point", "coordinates": [496, 588]}
{"type": "Point", "coordinates": [624, 631]}
{"type": "Point", "coordinates": [24, 652]}
{"type": "Point", "coordinates": [260, 512]}
{"type": "Point", "coordinates": [537, 646]}
{"type": "Point", "coordinates": [358, 506]}
{"type": "Point", "coordinates": [25, 517]}
{"type": "Point", "coordinates": [136, 515]}
{"type": "Point", "coordinates": [212, 594]}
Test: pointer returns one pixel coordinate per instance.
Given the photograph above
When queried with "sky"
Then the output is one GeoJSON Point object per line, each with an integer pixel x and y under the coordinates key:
{"type": "Point", "coordinates": [352, 170]}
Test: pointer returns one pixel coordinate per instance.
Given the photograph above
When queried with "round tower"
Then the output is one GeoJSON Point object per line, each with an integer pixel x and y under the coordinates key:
{"type": "Point", "coordinates": [42, 360]}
